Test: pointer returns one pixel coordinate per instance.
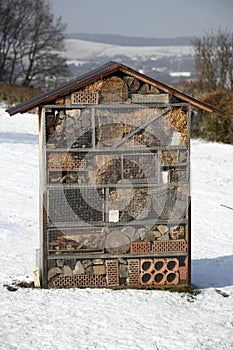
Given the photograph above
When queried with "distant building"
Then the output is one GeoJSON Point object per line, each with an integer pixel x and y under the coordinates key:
{"type": "Point", "coordinates": [180, 74]}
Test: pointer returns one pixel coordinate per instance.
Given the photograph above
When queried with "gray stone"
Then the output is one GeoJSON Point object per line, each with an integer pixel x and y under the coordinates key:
{"type": "Point", "coordinates": [89, 270]}
{"type": "Point", "coordinates": [66, 271]}
{"type": "Point", "coordinates": [163, 229]}
{"type": "Point", "coordinates": [123, 271]}
{"type": "Point", "coordinates": [78, 270]}
{"type": "Point", "coordinates": [86, 263]}
{"type": "Point", "coordinates": [122, 261]}
{"type": "Point", "coordinates": [164, 237]}
{"type": "Point", "coordinates": [142, 232]}
{"type": "Point", "coordinates": [129, 231]}
{"type": "Point", "coordinates": [60, 262]}
{"type": "Point", "coordinates": [53, 272]}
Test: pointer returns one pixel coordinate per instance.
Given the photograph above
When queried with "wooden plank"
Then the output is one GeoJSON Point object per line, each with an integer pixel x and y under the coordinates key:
{"type": "Point", "coordinates": [150, 98]}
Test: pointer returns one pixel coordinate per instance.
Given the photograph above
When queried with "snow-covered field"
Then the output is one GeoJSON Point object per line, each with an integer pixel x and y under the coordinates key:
{"type": "Point", "coordinates": [101, 318]}
{"type": "Point", "coordinates": [81, 50]}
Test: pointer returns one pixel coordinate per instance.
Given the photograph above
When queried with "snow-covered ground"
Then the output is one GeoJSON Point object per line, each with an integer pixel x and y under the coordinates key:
{"type": "Point", "coordinates": [102, 318]}
{"type": "Point", "coordinates": [81, 50]}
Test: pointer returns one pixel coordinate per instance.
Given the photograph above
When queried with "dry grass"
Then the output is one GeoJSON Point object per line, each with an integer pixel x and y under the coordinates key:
{"type": "Point", "coordinates": [211, 126]}
{"type": "Point", "coordinates": [13, 94]}
{"type": "Point", "coordinates": [96, 86]}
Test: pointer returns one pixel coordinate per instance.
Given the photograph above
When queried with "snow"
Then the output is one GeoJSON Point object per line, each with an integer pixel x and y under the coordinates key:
{"type": "Point", "coordinates": [102, 318]}
{"type": "Point", "coordinates": [82, 50]}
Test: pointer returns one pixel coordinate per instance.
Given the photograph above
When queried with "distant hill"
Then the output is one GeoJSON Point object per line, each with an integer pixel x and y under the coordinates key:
{"type": "Point", "coordinates": [131, 41]}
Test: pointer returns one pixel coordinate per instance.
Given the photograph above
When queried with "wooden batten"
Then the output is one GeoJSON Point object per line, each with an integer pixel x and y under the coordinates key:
{"type": "Point", "coordinates": [150, 98]}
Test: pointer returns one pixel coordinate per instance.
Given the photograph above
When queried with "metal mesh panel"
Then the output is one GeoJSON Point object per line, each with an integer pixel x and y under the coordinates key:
{"type": "Point", "coordinates": [170, 202]}
{"type": "Point", "coordinates": [66, 161]}
{"type": "Point", "coordinates": [70, 129]}
{"type": "Point", "coordinates": [122, 168]}
{"type": "Point", "coordinates": [126, 128]}
{"type": "Point", "coordinates": [70, 205]}
{"type": "Point", "coordinates": [140, 168]}
{"type": "Point", "coordinates": [72, 241]}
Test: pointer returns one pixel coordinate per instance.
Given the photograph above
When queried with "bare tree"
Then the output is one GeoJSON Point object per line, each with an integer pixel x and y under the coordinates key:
{"type": "Point", "coordinates": [31, 42]}
{"type": "Point", "coordinates": [214, 60]}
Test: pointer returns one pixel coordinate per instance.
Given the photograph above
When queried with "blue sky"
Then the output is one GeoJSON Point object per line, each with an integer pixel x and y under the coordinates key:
{"type": "Point", "coordinates": [145, 18]}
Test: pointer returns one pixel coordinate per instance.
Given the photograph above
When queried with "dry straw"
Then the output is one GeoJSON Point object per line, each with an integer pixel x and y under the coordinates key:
{"type": "Point", "coordinates": [178, 120]}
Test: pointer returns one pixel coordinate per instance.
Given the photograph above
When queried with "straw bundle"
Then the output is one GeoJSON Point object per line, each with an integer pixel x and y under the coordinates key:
{"type": "Point", "coordinates": [178, 120]}
{"type": "Point", "coordinates": [96, 86]}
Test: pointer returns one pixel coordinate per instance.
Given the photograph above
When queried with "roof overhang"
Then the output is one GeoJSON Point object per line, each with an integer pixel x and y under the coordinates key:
{"type": "Point", "coordinates": [100, 73]}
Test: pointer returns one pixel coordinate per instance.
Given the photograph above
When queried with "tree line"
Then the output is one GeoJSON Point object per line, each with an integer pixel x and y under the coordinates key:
{"type": "Point", "coordinates": [214, 60]}
{"type": "Point", "coordinates": [31, 43]}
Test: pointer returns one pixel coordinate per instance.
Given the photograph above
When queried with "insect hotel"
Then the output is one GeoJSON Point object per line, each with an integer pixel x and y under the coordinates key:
{"type": "Point", "coordinates": [114, 181]}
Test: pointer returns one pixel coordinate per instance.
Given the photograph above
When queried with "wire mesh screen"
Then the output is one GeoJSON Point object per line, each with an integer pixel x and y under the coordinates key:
{"type": "Point", "coordinates": [71, 241]}
{"type": "Point", "coordinates": [74, 205]}
{"type": "Point", "coordinates": [122, 168]}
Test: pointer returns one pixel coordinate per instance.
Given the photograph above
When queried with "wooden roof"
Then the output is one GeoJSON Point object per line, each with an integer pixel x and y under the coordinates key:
{"type": "Point", "coordinates": [99, 73]}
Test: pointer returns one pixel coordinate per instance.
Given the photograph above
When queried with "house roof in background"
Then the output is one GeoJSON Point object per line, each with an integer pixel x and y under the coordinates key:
{"type": "Point", "coordinates": [99, 73]}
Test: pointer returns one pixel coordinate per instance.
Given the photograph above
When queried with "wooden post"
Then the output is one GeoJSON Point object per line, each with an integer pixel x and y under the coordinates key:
{"type": "Point", "coordinates": [42, 198]}
{"type": "Point", "coordinates": [189, 241]}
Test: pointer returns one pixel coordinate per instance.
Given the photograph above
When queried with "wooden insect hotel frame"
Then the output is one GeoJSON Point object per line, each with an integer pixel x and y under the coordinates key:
{"type": "Point", "coordinates": [114, 181]}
